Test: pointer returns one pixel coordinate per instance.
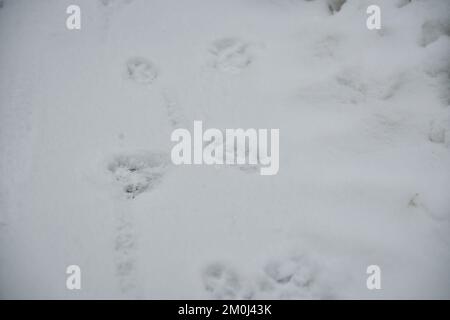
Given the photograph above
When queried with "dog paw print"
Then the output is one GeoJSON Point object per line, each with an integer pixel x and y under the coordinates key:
{"type": "Point", "coordinates": [138, 172]}
{"type": "Point", "coordinates": [231, 55]}
{"type": "Point", "coordinates": [141, 70]}
{"type": "Point", "coordinates": [295, 277]}
{"type": "Point", "coordinates": [223, 282]}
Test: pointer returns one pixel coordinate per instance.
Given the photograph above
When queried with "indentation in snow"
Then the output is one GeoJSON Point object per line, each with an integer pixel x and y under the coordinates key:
{"type": "Point", "coordinates": [141, 70]}
{"type": "Point", "coordinates": [231, 54]}
{"type": "Point", "coordinates": [222, 282]}
{"type": "Point", "coordinates": [290, 277]}
{"type": "Point", "coordinates": [139, 172]}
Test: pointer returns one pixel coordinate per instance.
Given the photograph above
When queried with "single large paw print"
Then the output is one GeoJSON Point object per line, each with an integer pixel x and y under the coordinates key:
{"type": "Point", "coordinates": [139, 172]}
{"type": "Point", "coordinates": [222, 282]}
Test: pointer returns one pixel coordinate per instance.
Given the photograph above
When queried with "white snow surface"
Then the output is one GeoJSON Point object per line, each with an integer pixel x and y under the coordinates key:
{"type": "Point", "coordinates": [86, 176]}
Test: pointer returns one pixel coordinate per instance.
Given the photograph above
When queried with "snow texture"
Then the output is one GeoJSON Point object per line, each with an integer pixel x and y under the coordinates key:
{"type": "Point", "coordinates": [86, 176]}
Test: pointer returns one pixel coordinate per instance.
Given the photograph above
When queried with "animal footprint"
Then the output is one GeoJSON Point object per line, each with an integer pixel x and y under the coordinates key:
{"type": "Point", "coordinates": [231, 54]}
{"type": "Point", "coordinates": [292, 270]}
{"type": "Point", "coordinates": [440, 131]}
{"type": "Point", "coordinates": [125, 247]}
{"type": "Point", "coordinates": [174, 113]}
{"type": "Point", "coordinates": [292, 278]}
{"type": "Point", "coordinates": [432, 30]}
{"type": "Point", "coordinates": [222, 282]}
{"type": "Point", "coordinates": [138, 172]}
{"type": "Point", "coordinates": [335, 5]}
{"type": "Point", "coordinates": [141, 70]}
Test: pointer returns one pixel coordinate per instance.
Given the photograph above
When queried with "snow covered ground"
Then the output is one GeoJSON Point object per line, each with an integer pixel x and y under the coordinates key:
{"type": "Point", "coordinates": [86, 176]}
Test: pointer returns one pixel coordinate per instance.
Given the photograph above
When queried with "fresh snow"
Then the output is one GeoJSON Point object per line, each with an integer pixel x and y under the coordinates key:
{"type": "Point", "coordinates": [86, 175]}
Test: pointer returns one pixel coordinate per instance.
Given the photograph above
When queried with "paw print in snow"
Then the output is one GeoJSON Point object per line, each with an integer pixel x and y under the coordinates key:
{"type": "Point", "coordinates": [231, 55]}
{"type": "Point", "coordinates": [295, 277]}
{"type": "Point", "coordinates": [222, 282]}
{"type": "Point", "coordinates": [141, 70]}
{"type": "Point", "coordinates": [138, 172]}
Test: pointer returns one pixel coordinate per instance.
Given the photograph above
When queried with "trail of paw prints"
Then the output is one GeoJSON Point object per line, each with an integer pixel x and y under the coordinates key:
{"type": "Point", "coordinates": [231, 55]}
{"type": "Point", "coordinates": [125, 247]}
{"type": "Point", "coordinates": [134, 174]}
{"type": "Point", "coordinates": [293, 277]}
{"type": "Point", "coordinates": [139, 172]}
{"type": "Point", "coordinates": [174, 113]}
